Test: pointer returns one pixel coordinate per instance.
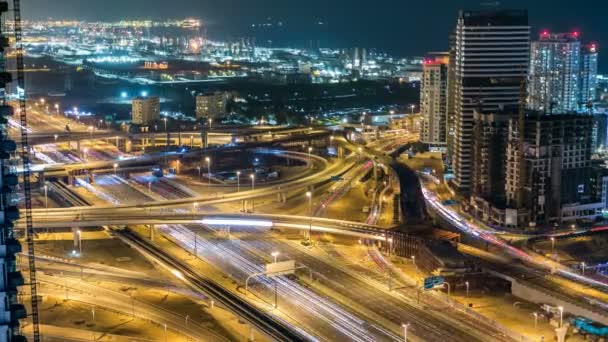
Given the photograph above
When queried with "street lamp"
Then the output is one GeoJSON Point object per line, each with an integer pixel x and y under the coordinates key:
{"type": "Point", "coordinates": [535, 319]}
{"type": "Point", "coordinates": [57, 108]}
{"type": "Point", "coordinates": [252, 176]}
{"type": "Point", "coordinates": [561, 316]}
{"type": "Point", "coordinates": [199, 172]}
{"type": "Point", "coordinates": [309, 156]}
{"type": "Point", "coordinates": [405, 327]}
{"type": "Point", "coordinates": [275, 255]}
{"type": "Point", "coordinates": [208, 161]}
{"type": "Point", "coordinates": [583, 268]}
{"type": "Point", "coordinates": [85, 151]}
{"type": "Point", "coordinates": [210, 123]}
{"type": "Point", "coordinates": [194, 207]}
{"type": "Point", "coordinates": [552, 245]}
{"type": "Point", "coordinates": [414, 261]}
{"type": "Point", "coordinates": [331, 141]}
{"type": "Point", "coordinates": [115, 167]}
{"type": "Point", "coordinates": [309, 196]}
{"type": "Point", "coordinates": [167, 140]}
{"type": "Point", "coordinates": [91, 131]}
{"type": "Point", "coordinates": [238, 181]}
{"type": "Point", "coordinates": [55, 136]}
{"type": "Point", "coordinates": [412, 107]}
{"type": "Point", "coordinates": [467, 285]}
{"type": "Point", "coordinates": [46, 197]}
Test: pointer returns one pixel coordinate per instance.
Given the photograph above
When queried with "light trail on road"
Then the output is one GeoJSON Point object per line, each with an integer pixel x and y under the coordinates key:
{"type": "Point", "coordinates": [489, 236]}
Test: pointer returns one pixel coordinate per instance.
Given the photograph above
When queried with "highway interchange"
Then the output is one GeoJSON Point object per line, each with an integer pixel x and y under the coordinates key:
{"type": "Point", "coordinates": [195, 221]}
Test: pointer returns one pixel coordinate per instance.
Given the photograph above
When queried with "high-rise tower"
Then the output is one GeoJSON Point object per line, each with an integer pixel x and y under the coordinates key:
{"type": "Point", "coordinates": [492, 52]}
{"type": "Point", "coordinates": [434, 98]}
{"type": "Point", "coordinates": [588, 79]}
{"type": "Point", "coordinates": [554, 73]}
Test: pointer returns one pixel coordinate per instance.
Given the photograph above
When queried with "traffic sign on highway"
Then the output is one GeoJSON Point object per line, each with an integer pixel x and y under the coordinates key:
{"type": "Point", "coordinates": [432, 282]}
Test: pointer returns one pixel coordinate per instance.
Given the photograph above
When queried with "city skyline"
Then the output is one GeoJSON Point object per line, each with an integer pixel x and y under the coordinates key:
{"type": "Point", "coordinates": [386, 25]}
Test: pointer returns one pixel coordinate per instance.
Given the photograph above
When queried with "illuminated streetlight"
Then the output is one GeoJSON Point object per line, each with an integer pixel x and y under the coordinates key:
{"type": "Point", "coordinates": [46, 196]}
{"type": "Point", "coordinates": [309, 196]}
{"type": "Point", "coordinates": [552, 245]}
{"type": "Point", "coordinates": [252, 176]}
{"type": "Point", "coordinates": [55, 136]}
{"type": "Point", "coordinates": [194, 207]}
{"type": "Point", "coordinates": [561, 316]}
{"type": "Point", "coordinates": [535, 319]}
{"type": "Point", "coordinates": [275, 255]}
{"type": "Point", "coordinates": [309, 156]}
{"type": "Point", "coordinates": [238, 181]}
{"type": "Point", "coordinates": [412, 107]}
{"type": "Point", "coordinates": [467, 285]}
{"type": "Point", "coordinates": [405, 327]}
{"type": "Point", "coordinates": [115, 167]}
{"type": "Point", "coordinates": [208, 161]}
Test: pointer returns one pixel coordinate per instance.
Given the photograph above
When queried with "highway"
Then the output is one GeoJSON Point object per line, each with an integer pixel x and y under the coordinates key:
{"type": "Point", "coordinates": [267, 324]}
{"type": "Point", "coordinates": [323, 176]}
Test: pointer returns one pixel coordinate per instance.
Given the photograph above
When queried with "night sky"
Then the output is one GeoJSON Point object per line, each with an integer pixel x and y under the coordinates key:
{"type": "Point", "coordinates": [403, 27]}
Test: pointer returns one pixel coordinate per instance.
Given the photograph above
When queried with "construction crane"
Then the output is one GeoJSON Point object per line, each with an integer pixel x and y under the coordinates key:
{"type": "Point", "coordinates": [25, 158]}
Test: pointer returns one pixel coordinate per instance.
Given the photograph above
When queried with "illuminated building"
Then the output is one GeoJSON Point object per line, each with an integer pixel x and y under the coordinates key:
{"type": "Point", "coordinates": [211, 105]}
{"type": "Point", "coordinates": [145, 110]}
{"type": "Point", "coordinates": [537, 177]}
{"type": "Point", "coordinates": [156, 65]}
{"type": "Point", "coordinates": [556, 180]}
{"type": "Point", "coordinates": [489, 156]}
{"type": "Point", "coordinates": [554, 73]}
{"type": "Point", "coordinates": [588, 84]}
{"type": "Point", "coordinates": [433, 99]}
{"type": "Point", "coordinates": [491, 61]}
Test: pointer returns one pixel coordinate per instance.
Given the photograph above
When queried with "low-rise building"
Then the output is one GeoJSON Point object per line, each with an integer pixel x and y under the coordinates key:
{"type": "Point", "coordinates": [145, 110]}
{"type": "Point", "coordinates": [211, 106]}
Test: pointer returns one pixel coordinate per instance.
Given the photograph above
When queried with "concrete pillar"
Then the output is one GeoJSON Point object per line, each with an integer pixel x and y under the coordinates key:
{"type": "Point", "coordinates": [205, 138]}
{"type": "Point", "coordinates": [128, 145]}
{"type": "Point", "coordinates": [75, 237]}
{"type": "Point", "coordinates": [41, 178]}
